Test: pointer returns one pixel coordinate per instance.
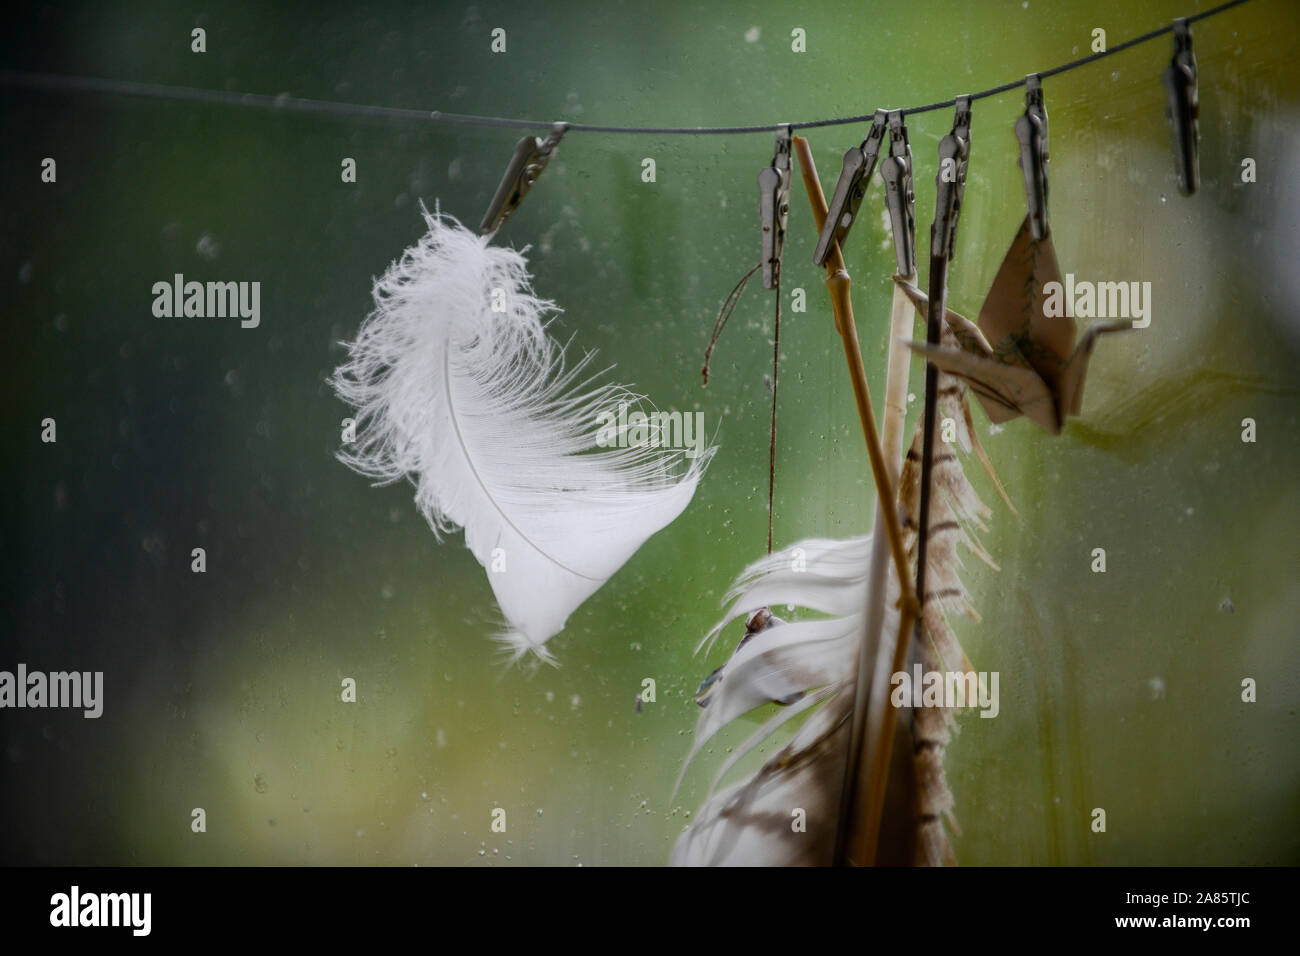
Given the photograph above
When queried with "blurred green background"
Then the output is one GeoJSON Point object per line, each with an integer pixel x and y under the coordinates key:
{"type": "Point", "coordinates": [1119, 690]}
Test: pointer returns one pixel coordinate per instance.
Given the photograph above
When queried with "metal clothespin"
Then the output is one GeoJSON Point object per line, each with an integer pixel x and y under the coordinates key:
{"type": "Point", "coordinates": [855, 176]}
{"type": "Point", "coordinates": [1184, 108]}
{"type": "Point", "coordinates": [1031, 130]}
{"type": "Point", "coordinates": [774, 206]}
{"type": "Point", "coordinates": [531, 156]}
{"type": "Point", "coordinates": [950, 183]}
{"type": "Point", "coordinates": [896, 171]}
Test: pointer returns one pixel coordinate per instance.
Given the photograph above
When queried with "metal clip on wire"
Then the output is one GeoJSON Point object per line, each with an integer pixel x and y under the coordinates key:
{"type": "Point", "coordinates": [950, 184]}
{"type": "Point", "coordinates": [855, 176]}
{"type": "Point", "coordinates": [1184, 108]}
{"type": "Point", "coordinates": [900, 199]}
{"type": "Point", "coordinates": [774, 206]}
{"type": "Point", "coordinates": [1031, 130]}
{"type": "Point", "coordinates": [531, 156]}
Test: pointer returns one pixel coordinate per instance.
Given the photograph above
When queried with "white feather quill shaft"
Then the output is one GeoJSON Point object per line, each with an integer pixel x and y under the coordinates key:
{"type": "Point", "coordinates": [476, 407]}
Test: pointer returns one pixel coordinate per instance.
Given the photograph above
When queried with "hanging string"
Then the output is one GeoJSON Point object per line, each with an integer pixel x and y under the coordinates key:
{"type": "Point", "coordinates": [724, 313]}
{"type": "Point", "coordinates": [771, 457]}
{"type": "Point", "coordinates": [80, 84]}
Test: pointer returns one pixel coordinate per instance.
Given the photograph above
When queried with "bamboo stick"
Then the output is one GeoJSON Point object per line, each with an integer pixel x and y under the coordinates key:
{"type": "Point", "coordinates": [886, 476]}
{"type": "Point", "coordinates": [896, 381]}
{"type": "Point", "coordinates": [838, 282]}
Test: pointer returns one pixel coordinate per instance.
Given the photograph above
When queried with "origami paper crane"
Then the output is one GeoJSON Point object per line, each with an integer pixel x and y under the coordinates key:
{"type": "Point", "coordinates": [1034, 368]}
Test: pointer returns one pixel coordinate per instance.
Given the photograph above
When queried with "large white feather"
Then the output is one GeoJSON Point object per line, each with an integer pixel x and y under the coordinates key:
{"type": "Point", "coordinates": [477, 408]}
{"type": "Point", "coordinates": [750, 823]}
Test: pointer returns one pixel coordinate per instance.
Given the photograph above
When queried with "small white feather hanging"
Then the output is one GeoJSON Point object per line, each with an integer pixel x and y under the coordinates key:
{"type": "Point", "coordinates": [477, 408]}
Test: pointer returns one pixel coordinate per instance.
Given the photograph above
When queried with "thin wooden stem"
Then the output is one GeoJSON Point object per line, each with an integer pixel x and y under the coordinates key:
{"type": "Point", "coordinates": [771, 455]}
{"type": "Point", "coordinates": [875, 659]}
{"type": "Point", "coordinates": [896, 378]}
{"type": "Point", "coordinates": [837, 281]}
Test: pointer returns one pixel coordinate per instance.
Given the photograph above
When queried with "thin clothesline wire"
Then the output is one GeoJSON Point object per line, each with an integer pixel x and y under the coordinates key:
{"type": "Point", "coordinates": [50, 82]}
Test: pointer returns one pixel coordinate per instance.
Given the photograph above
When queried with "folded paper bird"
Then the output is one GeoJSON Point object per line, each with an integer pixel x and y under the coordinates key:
{"type": "Point", "coordinates": [1034, 368]}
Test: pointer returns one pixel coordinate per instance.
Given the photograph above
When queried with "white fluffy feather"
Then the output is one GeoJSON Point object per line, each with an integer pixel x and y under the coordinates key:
{"type": "Point", "coordinates": [477, 408]}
